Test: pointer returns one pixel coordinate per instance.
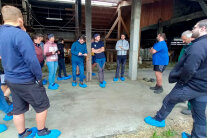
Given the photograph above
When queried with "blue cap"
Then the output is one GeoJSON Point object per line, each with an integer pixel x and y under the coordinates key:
{"type": "Point", "coordinates": [50, 36]}
{"type": "Point", "coordinates": [96, 35]}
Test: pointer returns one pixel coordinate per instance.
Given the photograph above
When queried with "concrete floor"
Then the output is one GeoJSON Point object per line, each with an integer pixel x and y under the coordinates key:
{"type": "Point", "coordinates": [97, 112]}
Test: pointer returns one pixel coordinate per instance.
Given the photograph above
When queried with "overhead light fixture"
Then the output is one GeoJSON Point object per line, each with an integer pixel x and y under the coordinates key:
{"type": "Point", "coordinates": [93, 3]}
{"type": "Point", "coordinates": [57, 19]}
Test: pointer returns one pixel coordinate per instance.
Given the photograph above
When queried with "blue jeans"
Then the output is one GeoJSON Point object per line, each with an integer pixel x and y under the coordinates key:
{"type": "Point", "coordinates": [198, 101]}
{"type": "Point", "coordinates": [81, 68]}
{"type": "Point", "coordinates": [3, 104]}
{"type": "Point", "coordinates": [120, 60]}
{"type": "Point", "coordinates": [52, 67]}
{"type": "Point", "coordinates": [61, 63]}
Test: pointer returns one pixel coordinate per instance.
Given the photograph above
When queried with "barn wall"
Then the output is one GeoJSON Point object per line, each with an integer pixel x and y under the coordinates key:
{"type": "Point", "coordinates": [151, 13]}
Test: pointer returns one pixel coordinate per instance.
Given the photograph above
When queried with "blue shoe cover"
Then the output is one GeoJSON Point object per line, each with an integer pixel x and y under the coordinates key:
{"type": "Point", "coordinates": [56, 85]}
{"type": "Point", "coordinates": [3, 128]}
{"type": "Point", "coordinates": [44, 82]}
{"type": "Point", "coordinates": [185, 135]}
{"type": "Point", "coordinates": [151, 121]}
{"type": "Point", "coordinates": [52, 87]}
{"type": "Point", "coordinates": [60, 78]}
{"type": "Point", "coordinates": [8, 118]}
{"type": "Point", "coordinates": [122, 79]}
{"type": "Point", "coordinates": [93, 74]}
{"type": "Point", "coordinates": [82, 85]}
{"type": "Point", "coordinates": [68, 77]}
{"type": "Point", "coordinates": [102, 85]}
{"type": "Point", "coordinates": [104, 82]}
{"type": "Point", "coordinates": [53, 134]}
{"type": "Point", "coordinates": [74, 84]}
{"type": "Point", "coordinates": [116, 79]}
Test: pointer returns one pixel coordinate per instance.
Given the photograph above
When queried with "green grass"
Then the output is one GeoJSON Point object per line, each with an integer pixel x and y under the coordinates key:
{"type": "Point", "coordinates": [165, 134]}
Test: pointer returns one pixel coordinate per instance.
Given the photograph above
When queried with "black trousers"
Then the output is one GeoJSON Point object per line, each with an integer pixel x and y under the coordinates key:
{"type": "Point", "coordinates": [121, 61]}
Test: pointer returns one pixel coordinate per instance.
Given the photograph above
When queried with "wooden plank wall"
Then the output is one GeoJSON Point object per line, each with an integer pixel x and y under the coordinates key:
{"type": "Point", "coordinates": [151, 13]}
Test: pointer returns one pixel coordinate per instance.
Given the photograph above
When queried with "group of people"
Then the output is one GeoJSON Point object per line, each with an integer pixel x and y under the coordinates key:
{"type": "Point", "coordinates": [190, 76]}
{"type": "Point", "coordinates": [23, 58]}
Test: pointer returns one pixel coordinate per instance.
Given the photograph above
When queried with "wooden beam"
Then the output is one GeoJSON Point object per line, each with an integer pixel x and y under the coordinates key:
{"type": "Point", "coordinates": [88, 39]}
{"type": "Point", "coordinates": [125, 28]}
{"type": "Point", "coordinates": [119, 24]}
{"type": "Point", "coordinates": [203, 6]}
{"type": "Point", "coordinates": [70, 9]}
{"type": "Point", "coordinates": [188, 17]}
{"type": "Point", "coordinates": [112, 28]}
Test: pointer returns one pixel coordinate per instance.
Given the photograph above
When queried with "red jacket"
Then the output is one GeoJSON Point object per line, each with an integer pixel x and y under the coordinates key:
{"type": "Point", "coordinates": [39, 52]}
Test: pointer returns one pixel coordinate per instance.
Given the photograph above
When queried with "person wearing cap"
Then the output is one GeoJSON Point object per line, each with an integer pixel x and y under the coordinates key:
{"type": "Point", "coordinates": [78, 51]}
{"type": "Point", "coordinates": [61, 61]}
{"type": "Point", "coordinates": [51, 52]}
{"type": "Point", "coordinates": [98, 49]}
{"type": "Point", "coordinates": [122, 46]}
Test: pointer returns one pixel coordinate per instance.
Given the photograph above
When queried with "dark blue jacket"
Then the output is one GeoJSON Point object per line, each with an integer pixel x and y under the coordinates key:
{"type": "Point", "coordinates": [76, 48]}
{"type": "Point", "coordinates": [191, 70]}
{"type": "Point", "coordinates": [19, 59]}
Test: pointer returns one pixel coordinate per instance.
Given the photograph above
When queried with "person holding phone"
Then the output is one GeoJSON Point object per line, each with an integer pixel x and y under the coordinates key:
{"type": "Point", "coordinates": [51, 52]}
{"type": "Point", "coordinates": [79, 51]}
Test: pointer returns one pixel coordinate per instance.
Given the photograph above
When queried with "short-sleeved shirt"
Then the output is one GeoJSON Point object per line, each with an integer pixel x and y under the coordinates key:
{"type": "Point", "coordinates": [161, 57]}
{"type": "Point", "coordinates": [98, 45]}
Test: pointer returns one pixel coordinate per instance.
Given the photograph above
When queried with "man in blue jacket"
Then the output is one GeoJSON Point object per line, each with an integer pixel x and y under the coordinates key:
{"type": "Point", "coordinates": [191, 84]}
{"type": "Point", "coordinates": [78, 51]}
{"type": "Point", "coordinates": [23, 75]}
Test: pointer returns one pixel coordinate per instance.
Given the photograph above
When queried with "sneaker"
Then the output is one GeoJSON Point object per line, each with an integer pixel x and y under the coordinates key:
{"type": "Point", "coordinates": [122, 79]}
{"type": "Point", "coordinates": [158, 90]}
{"type": "Point", "coordinates": [60, 78]}
{"type": "Point", "coordinates": [154, 88]}
{"type": "Point", "coordinates": [186, 112]}
{"type": "Point", "coordinates": [102, 85]}
{"type": "Point", "coordinates": [151, 121]}
{"type": "Point", "coordinates": [52, 87]}
{"type": "Point", "coordinates": [44, 82]}
{"type": "Point", "coordinates": [185, 135]}
{"type": "Point", "coordinates": [3, 128]}
{"type": "Point", "coordinates": [104, 82]}
{"type": "Point", "coordinates": [74, 84]}
{"type": "Point", "coordinates": [115, 79]}
{"type": "Point", "coordinates": [48, 133]}
{"type": "Point", "coordinates": [93, 74]}
{"type": "Point", "coordinates": [82, 85]}
{"type": "Point", "coordinates": [8, 116]}
{"type": "Point", "coordinates": [68, 77]}
{"type": "Point", "coordinates": [29, 133]}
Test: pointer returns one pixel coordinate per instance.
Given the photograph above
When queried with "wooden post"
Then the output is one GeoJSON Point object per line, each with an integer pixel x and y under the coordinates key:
{"type": "Point", "coordinates": [24, 6]}
{"type": "Point", "coordinates": [77, 18]}
{"type": "Point", "coordinates": [112, 28]}
{"type": "Point", "coordinates": [119, 24]}
{"type": "Point", "coordinates": [88, 39]}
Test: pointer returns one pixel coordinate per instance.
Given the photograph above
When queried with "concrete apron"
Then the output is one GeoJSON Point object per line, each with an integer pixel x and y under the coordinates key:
{"type": "Point", "coordinates": [98, 112]}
